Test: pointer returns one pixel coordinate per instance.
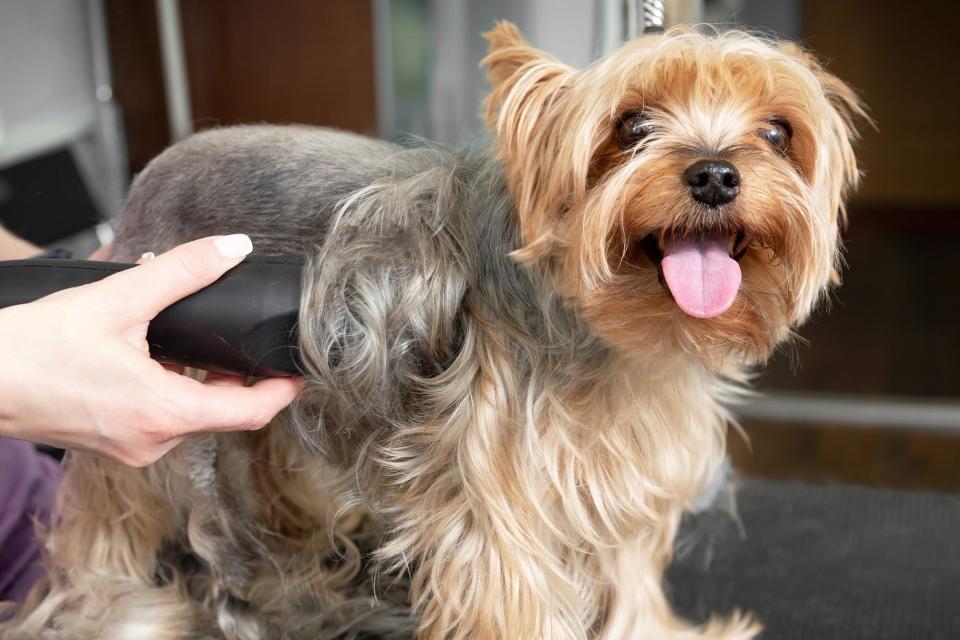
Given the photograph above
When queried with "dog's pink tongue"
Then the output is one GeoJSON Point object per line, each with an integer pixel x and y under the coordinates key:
{"type": "Point", "coordinates": [702, 276]}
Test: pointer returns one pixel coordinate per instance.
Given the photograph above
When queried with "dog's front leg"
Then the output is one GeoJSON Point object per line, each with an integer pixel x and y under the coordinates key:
{"type": "Point", "coordinates": [474, 581]}
{"type": "Point", "coordinates": [638, 607]}
{"type": "Point", "coordinates": [487, 563]}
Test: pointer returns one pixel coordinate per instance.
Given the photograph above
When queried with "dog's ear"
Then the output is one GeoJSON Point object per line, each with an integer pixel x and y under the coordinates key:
{"type": "Point", "coordinates": [842, 175]}
{"type": "Point", "coordinates": [523, 76]}
{"type": "Point", "coordinates": [509, 52]}
{"type": "Point", "coordinates": [522, 112]}
{"type": "Point", "coordinates": [837, 173]}
{"type": "Point", "coordinates": [840, 127]}
{"type": "Point", "coordinates": [848, 110]}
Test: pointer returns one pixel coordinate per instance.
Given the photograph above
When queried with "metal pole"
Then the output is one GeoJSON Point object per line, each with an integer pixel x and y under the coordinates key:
{"type": "Point", "coordinates": [932, 416]}
{"type": "Point", "coordinates": [383, 54]}
{"type": "Point", "coordinates": [174, 69]}
{"type": "Point", "coordinates": [621, 20]}
{"type": "Point", "coordinates": [109, 130]}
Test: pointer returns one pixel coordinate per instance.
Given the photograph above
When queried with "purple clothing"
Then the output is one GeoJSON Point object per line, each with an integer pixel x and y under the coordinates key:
{"type": "Point", "coordinates": [28, 484]}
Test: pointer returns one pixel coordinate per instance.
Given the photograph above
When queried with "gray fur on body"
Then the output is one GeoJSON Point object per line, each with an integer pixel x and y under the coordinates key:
{"type": "Point", "coordinates": [279, 185]}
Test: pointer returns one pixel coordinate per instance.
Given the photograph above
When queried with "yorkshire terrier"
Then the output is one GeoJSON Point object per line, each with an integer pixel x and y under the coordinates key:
{"type": "Point", "coordinates": [517, 357]}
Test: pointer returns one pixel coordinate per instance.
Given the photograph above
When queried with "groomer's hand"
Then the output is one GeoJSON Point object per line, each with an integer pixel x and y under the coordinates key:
{"type": "Point", "coordinates": [75, 368]}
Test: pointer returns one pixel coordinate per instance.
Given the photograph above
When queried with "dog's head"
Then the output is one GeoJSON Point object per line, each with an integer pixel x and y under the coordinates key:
{"type": "Point", "coordinates": [687, 190]}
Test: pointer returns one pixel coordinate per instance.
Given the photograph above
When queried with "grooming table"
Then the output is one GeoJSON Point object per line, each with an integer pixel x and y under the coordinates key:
{"type": "Point", "coordinates": [826, 563]}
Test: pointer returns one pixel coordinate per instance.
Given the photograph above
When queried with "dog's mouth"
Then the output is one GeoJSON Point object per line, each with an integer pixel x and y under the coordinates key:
{"type": "Point", "coordinates": [701, 272]}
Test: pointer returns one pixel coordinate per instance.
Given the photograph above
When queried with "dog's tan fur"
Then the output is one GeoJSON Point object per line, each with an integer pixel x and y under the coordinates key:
{"type": "Point", "coordinates": [532, 484]}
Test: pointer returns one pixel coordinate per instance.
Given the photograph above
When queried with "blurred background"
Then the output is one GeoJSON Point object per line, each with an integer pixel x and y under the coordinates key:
{"type": "Point", "coordinates": [869, 393]}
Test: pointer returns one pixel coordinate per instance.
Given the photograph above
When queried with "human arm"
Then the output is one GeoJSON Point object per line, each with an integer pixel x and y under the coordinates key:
{"type": "Point", "coordinates": [14, 248]}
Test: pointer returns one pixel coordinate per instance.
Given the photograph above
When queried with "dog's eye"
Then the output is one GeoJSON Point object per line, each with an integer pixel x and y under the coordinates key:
{"type": "Point", "coordinates": [632, 128]}
{"type": "Point", "coordinates": [777, 133]}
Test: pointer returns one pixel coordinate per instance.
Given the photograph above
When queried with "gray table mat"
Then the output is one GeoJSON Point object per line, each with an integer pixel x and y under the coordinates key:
{"type": "Point", "coordinates": [826, 562]}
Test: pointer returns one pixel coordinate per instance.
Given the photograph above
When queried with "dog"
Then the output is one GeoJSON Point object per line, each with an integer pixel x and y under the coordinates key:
{"type": "Point", "coordinates": [517, 356]}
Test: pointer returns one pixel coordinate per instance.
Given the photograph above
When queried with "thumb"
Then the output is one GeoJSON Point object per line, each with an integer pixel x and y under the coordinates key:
{"type": "Point", "coordinates": [145, 290]}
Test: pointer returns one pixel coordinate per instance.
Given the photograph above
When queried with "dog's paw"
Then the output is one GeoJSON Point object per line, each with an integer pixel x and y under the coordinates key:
{"type": "Point", "coordinates": [738, 626]}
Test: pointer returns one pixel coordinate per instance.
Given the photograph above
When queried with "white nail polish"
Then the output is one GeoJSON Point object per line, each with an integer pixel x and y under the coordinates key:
{"type": "Point", "coordinates": [234, 246]}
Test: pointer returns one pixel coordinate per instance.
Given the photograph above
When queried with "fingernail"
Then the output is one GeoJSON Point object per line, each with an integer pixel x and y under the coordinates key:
{"type": "Point", "coordinates": [234, 246]}
{"type": "Point", "coordinates": [149, 255]}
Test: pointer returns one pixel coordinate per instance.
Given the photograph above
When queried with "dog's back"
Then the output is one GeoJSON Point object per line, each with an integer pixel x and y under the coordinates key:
{"type": "Point", "coordinates": [278, 184]}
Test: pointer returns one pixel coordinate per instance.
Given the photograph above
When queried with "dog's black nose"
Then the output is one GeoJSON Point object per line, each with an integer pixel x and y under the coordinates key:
{"type": "Point", "coordinates": [713, 182]}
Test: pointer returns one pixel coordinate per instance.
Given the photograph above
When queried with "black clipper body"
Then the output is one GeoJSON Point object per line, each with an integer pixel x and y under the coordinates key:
{"type": "Point", "coordinates": [244, 323]}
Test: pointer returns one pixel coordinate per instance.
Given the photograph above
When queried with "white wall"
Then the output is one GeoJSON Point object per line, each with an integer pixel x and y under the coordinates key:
{"type": "Point", "coordinates": [46, 76]}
